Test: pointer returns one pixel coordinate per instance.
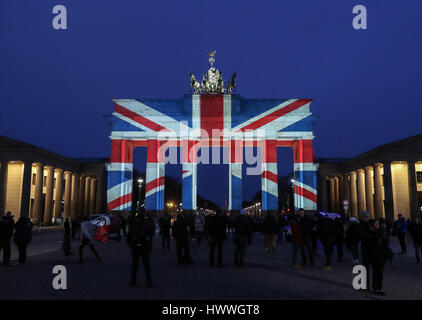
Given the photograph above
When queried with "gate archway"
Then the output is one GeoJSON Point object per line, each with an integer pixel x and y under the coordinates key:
{"type": "Point", "coordinates": [202, 120]}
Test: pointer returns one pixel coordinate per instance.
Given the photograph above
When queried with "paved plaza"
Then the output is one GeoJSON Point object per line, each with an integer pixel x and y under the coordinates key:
{"type": "Point", "coordinates": [267, 277]}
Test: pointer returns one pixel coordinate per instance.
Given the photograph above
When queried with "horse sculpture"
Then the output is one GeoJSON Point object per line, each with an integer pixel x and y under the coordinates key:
{"type": "Point", "coordinates": [195, 85]}
{"type": "Point", "coordinates": [231, 85]}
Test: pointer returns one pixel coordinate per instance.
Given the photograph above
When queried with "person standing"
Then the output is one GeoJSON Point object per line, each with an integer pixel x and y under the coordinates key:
{"type": "Point", "coordinates": [416, 233]}
{"type": "Point", "coordinates": [352, 239]}
{"type": "Point", "coordinates": [401, 229]}
{"type": "Point", "coordinates": [326, 233]}
{"type": "Point", "coordinates": [306, 228]}
{"type": "Point", "coordinates": [339, 239]}
{"type": "Point", "coordinates": [365, 237]}
{"type": "Point", "coordinates": [216, 230]}
{"type": "Point", "coordinates": [180, 233]}
{"type": "Point", "coordinates": [377, 250]}
{"type": "Point", "coordinates": [22, 237]}
{"type": "Point", "coordinates": [199, 221]}
{"type": "Point", "coordinates": [123, 223]}
{"type": "Point", "coordinates": [270, 231]}
{"type": "Point", "coordinates": [165, 226]}
{"type": "Point", "coordinates": [243, 229]}
{"type": "Point", "coordinates": [138, 238]}
{"type": "Point", "coordinates": [6, 232]}
{"type": "Point", "coordinates": [297, 243]}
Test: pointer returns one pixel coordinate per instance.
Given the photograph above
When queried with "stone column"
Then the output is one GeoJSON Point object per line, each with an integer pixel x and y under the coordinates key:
{"type": "Point", "coordinates": [332, 195]}
{"type": "Point", "coordinates": [378, 192]}
{"type": "Point", "coordinates": [93, 191]}
{"type": "Point", "coordinates": [81, 206]}
{"type": "Point", "coordinates": [189, 175]}
{"type": "Point", "coordinates": [388, 192]}
{"type": "Point", "coordinates": [155, 181]}
{"type": "Point", "coordinates": [337, 195]}
{"type": "Point", "coordinates": [87, 195]}
{"type": "Point", "coordinates": [340, 192]}
{"type": "Point", "coordinates": [67, 192]}
{"type": "Point", "coordinates": [269, 179]}
{"type": "Point", "coordinates": [74, 201]}
{"type": "Point", "coordinates": [369, 184]}
{"type": "Point", "coordinates": [39, 177]}
{"type": "Point", "coordinates": [48, 210]}
{"type": "Point", "coordinates": [26, 189]}
{"type": "Point", "coordinates": [235, 178]}
{"type": "Point", "coordinates": [324, 194]}
{"type": "Point", "coordinates": [361, 190]}
{"type": "Point", "coordinates": [3, 185]}
{"type": "Point", "coordinates": [413, 199]}
{"type": "Point", "coordinates": [59, 194]}
{"type": "Point", "coordinates": [346, 188]}
{"type": "Point", "coordinates": [354, 194]}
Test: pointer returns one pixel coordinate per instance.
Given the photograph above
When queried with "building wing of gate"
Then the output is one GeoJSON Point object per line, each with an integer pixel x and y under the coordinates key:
{"type": "Point", "coordinates": [191, 123]}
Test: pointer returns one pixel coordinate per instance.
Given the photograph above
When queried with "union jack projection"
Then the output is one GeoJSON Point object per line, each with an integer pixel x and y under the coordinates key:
{"type": "Point", "coordinates": [215, 120]}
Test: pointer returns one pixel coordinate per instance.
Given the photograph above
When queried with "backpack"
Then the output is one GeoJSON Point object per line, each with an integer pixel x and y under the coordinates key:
{"type": "Point", "coordinates": [138, 233]}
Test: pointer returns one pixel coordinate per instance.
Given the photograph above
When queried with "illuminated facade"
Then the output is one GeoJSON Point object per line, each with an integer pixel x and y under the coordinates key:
{"type": "Point", "coordinates": [197, 121]}
{"type": "Point", "coordinates": [384, 181]}
{"type": "Point", "coordinates": [47, 187]}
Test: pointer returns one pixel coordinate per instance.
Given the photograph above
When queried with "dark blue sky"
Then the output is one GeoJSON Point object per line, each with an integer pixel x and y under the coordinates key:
{"type": "Point", "coordinates": [56, 85]}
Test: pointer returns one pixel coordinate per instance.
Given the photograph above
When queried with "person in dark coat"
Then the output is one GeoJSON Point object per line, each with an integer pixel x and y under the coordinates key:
{"type": "Point", "coordinates": [377, 250]}
{"type": "Point", "coordinates": [243, 230]}
{"type": "Point", "coordinates": [270, 231]}
{"type": "Point", "coordinates": [400, 228]}
{"type": "Point", "coordinates": [22, 237]}
{"type": "Point", "coordinates": [7, 226]}
{"type": "Point", "coordinates": [123, 223]}
{"type": "Point", "coordinates": [326, 233]}
{"type": "Point", "coordinates": [138, 238]}
{"type": "Point", "coordinates": [66, 246]}
{"type": "Point", "coordinates": [352, 238]}
{"type": "Point", "coordinates": [165, 225]}
{"type": "Point", "coordinates": [364, 237]}
{"type": "Point", "coordinates": [307, 228]}
{"type": "Point", "coordinates": [297, 243]}
{"type": "Point", "coordinates": [415, 230]}
{"type": "Point", "coordinates": [215, 227]}
{"type": "Point", "coordinates": [339, 239]}
{"type": "Point", "coordinates": [180, 233]}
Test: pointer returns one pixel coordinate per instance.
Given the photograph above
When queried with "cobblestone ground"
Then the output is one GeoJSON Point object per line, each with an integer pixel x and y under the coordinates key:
{"type": "Point", "coordinates": [268, 276]}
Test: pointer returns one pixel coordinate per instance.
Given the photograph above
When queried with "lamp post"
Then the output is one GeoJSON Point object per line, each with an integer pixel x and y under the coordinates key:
{"type": "Point", "coordinates": [140, 181]}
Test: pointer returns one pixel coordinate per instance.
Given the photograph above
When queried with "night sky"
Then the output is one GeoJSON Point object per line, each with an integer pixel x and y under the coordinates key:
{"type": "Point", "coordinates": [55, 85]}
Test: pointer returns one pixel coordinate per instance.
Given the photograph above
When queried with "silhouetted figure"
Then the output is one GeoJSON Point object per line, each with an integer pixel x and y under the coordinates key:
{"type": "Point", "coordinates": [270, 231]}
{"type": "Point", "coordinates": [400, 228]}
{"type": "Point", "coordinates": [181, 235]}
{"type": "Point", "coordinates": [339, 239]}
{"type": "Point", "coordinates": [307, 228]}
{"type": "Point", "coordinates": [326, 233]}
{"type": "Point", "coordinates": [377, 250]}
{"type": "Point", "coordinates": [7, 225]}
{"type": "Point", "coordinates": [216, 230]}
{"type": "Point", "coordinates": [138, 238]}
{"type": "Point", "coordinates": [22, 237]}
{"type": "Point", "coordinates": [416, 233]}
{"type": "Point", "coordinates": [243, 229]}
{"type": "Point", "coordinates": [165, 226]}
{"type": "Point", "coordinates": [352, 238]}
{"type": "Point", "coordinates": [199, 221]}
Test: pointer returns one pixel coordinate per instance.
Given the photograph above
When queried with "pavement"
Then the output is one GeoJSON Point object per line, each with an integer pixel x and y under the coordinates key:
{"type": "Point", "coordinates": [267, 276]}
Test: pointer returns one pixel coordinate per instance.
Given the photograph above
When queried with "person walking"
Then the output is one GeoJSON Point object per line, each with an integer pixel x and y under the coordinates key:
{"type": "Point", "coordinates": [199, 222]}
{"type": "Point", "coordinates": [297, 243]}
{"type": "Point", "coordinates": [7, 226]}
{"type": "Point", "coordinates": [180, 233]}
{"type": "Point", "coordinates": [270, 231]}
{"type": "Point", "coordinates": [243, 229]}
{"type": "Point", "coordinates": [165, 225]}
{"type": "Point", "coordinates": [352, 238]}
{"type": "Point", "coordinates": [401, 229]}
{"type": "Point", "coordinates": [216, 227]}
{"type": "Point", "coordinates": [138, 238]}
{"type": "Point", "coordinates": [416, 234]}
{"type": "Point", "coordinates": [87, 229]}
{"type": "Point", "coordinates": [22, 237]}
{"type": "Point", "coordinates": [306, 227]}
{"type": "Point", "coordinates": [66, 246]}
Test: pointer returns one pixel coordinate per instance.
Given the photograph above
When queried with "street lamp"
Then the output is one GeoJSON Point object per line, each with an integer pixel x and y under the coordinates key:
{"type": "Point", "coordinates": [140, 181]}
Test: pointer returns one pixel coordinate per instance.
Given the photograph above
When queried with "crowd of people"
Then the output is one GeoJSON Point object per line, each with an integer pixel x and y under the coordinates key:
{"type": "Point", "coordinates": [368, 240]}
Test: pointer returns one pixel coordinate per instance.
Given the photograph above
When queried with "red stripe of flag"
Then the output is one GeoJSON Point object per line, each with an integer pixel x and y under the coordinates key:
{"type": "Point", "coordinates": [140, 119]}
{"type": "Point", "coordinates": [306, 193]}
{"type": "Point", "coordinates": [270, 176]}
{"type": "Point", "coordinates": [120, 201]}
{"type": "Point", "coordinates": [154, 184]}
{"type": "Point", "coordinates": [276, 114]}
